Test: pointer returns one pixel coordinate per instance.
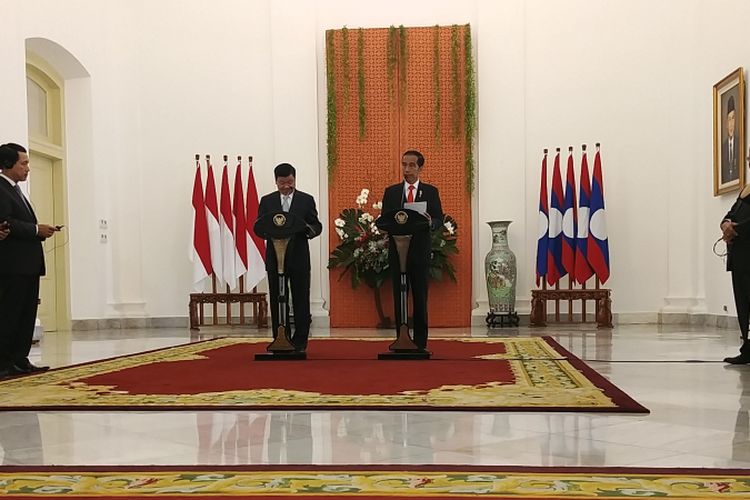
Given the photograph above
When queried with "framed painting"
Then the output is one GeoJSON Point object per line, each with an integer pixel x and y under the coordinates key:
{"type": "Point", "coordinates": [729, 133]}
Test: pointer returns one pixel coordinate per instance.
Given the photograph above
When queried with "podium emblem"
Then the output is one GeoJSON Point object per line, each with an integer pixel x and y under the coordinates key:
{"type": "Point", "coordinates": [279, 220]}
{"type": "Point", "coordinates": [401, 217]}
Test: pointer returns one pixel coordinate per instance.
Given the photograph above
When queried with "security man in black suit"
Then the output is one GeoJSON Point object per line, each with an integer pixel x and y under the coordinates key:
{"type": "Point", "coordinates": [297, 262]}
{"type": "Point", "coordinates": [735, 231]}
{"type": "Point", "coordinates": [21, 264]}
{"type": "Point", "coordinates": [418, 260]}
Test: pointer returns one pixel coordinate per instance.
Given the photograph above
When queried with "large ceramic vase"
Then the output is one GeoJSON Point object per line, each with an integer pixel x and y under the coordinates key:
{"type": "Point", "coordinates": [500, 270]}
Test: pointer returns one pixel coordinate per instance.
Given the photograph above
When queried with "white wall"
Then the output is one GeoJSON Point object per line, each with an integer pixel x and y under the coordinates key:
{"type": "Point", "coordinates": [171, 78]}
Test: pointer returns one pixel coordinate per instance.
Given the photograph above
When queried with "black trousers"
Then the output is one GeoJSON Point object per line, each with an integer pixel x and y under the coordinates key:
{"type": "Point", "coordinates": [298, 282]}
{"type": "Point", "coordinates": [19, 299]}
{"type": "Point", "coordinates": [741, 289]}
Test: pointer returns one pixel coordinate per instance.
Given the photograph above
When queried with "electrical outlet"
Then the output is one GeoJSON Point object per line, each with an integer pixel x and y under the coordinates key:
{"type": "Point", "coordinates": [102, 238]}
{"type": "Point", "coordinates": [103, 224]}
{"type": "Point", "coordinates": [725, 308]}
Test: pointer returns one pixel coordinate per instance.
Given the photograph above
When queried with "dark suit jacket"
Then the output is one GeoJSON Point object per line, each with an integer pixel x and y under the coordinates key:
{"type": "Point", "coordinates": [730, 170]}
{"type": "Point", "coordinates": [22, 250]}
{"type": "Point", "coordinates": [394, 198]}
{"type": "Point", "coordinates": [738, 251]}
{"type": "Point", "coordinates": [298, 251]}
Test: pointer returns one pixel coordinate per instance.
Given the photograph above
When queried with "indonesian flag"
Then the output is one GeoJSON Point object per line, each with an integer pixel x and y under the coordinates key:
{"type": "Point", "coordinates": [543, 239]}
{"type": "Point", "coordinates": [214, 228]}
{"type": "Point", "coordinates": [256, 247]}
{"type": "Point", "coordinates": [226, 223]}
{"type": "Point", "coordinates": [240, 226]}
{"type": "Point", "coordinates": [555, 269]}
{"type": "Point", "coordinates": [570, 221]}
{"type": "Point", "coordinates": [598, 245]}
{"type": "Point", "coordinates": [583, 269]}
{"type": "Point", "coordinates": [200, 255]}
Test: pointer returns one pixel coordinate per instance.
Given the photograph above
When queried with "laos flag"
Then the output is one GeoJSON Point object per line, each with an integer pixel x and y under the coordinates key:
{"type": "Point", "coordinates": [570, 220]}
{"type": "Point", "coordinates": [541, 245]}
{"type": "Point", "coordinates": [598, 246]}
{"type": "Point", "coordinates": [583, 269]}
{"type": "Point", "coordinates": [555, 269]}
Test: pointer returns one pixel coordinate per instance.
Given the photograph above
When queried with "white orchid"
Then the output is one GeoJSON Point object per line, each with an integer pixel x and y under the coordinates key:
{"type": "Point", "coordinates": [450, 228]}
{"type": "Point", "coordinates": [339, 222]}
{"type": "Point", "coordinates": [378, 205]}
{"type": "Point", "coordinates": [366, 218]}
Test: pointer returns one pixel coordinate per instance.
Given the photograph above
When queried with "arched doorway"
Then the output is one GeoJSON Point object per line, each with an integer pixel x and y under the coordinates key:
{"type": "Point", "coordinates": [44, 93]}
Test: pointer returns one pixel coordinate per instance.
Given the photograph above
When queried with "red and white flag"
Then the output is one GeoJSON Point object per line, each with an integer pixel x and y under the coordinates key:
{"type": "Point", "coordinates": [240, 227]}
{"type": "Point", "coordinates": [256, 247]}
{"type": "Point", "coordinates": [200, 254]}
{"type": "Point", "coordinates": [226, 223]}
{"type": "Point", "coordinates": [214, 228]}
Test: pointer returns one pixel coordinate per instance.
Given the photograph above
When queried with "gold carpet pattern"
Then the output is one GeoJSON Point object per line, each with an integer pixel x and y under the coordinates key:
{"type": "Point", "coordinates": [344, 484]}
{"type": "Point", "coordinates": [543, 378]}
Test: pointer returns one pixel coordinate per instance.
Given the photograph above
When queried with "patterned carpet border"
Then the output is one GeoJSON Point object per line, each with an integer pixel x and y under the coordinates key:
{"type": "Point", "coordinates": [394, 482]}
{"type": "Point", "coordinates": [547, 377]}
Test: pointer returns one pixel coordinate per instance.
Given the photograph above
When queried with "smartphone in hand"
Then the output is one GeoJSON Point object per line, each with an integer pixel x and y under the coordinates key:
{"type": "Point", "coordinates": [4, 225]}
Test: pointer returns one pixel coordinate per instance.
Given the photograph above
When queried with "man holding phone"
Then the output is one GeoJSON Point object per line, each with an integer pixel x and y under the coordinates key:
{"type": "Point", "coordinates": [21, 264]}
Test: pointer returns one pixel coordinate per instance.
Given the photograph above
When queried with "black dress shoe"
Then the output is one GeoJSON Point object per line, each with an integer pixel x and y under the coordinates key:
{"type": "Point", "coordinates": [26, 366]}
{"type": "Point", "coordinates": [742, 359]}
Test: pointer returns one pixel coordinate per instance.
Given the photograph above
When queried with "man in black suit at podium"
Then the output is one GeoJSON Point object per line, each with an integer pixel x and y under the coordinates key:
{"type": "Point", "coordinates": [412, 190]}
{"type": "Point", "coordinates": [297, 262]}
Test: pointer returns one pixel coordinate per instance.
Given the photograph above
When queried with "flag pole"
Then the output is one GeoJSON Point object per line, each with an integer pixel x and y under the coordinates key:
{"type": "Point", "coordinates": [570, 276]}
{"type": "Point", "coordinates": [215, 312]}
{"type": "Point", "coordinates": [229, 303]}
{"type": "Point", "coordinates": [255, 288]}
{"type": "Point", "coordinates": [544, 278]}
{"type": "Point", "coordinates": [557, 283]}
{"type": "Point", "coordinates": [242, 278]}
{"type": "Point", "coordinates": [596, 281]}
{"type": "Point", "coordinates": [200, 306]}
{"type": "Point", "coordinates": [583, 285]}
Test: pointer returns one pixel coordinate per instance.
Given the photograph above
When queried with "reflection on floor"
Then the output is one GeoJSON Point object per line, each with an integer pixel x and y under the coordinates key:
{"type": "Point", "coordinates": [700, 411]}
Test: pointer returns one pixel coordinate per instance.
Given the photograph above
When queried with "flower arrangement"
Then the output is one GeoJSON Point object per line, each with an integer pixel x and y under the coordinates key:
{"type": "Point", "coordinates": [363, 250]}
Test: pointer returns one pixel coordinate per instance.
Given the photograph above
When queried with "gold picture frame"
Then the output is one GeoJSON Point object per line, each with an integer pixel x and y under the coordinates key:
{"type": "Point", "coordinates": [729, 133]}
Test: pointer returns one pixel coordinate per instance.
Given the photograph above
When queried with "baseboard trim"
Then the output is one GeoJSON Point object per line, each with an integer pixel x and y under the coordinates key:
{"type": "Point", "coordinates": [645, 318]}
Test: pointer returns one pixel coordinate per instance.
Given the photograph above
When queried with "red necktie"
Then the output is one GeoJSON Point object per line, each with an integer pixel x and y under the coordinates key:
{"type": "Point", "coordinates": [410, 196]}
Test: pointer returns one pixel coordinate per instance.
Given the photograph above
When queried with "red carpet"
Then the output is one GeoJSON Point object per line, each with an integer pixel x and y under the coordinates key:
{"type": "Point", "coordinates": [373, 482]}
{"type": "Point", "coordinates": [467, 374]}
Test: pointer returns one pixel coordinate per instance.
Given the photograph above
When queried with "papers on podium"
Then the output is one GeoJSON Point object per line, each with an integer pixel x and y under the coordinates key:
{"type": "Point", "coordinates": [417, 206]}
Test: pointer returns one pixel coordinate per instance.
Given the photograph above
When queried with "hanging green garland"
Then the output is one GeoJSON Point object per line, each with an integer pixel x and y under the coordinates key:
{"type": "Point", "coordinates": [436, 82]}
{"type": "Point", "coordinates": [345, 64]}
{"type": "Point", "coordinates": [470, 114]}
{"type": "Point", "coordinates": [361, 81]}
{"type": "Point", "coordinates": [391, 61]}
{"type": "Point", "coordinates": [455, 84]}
{"type": "Point", "coordinates": [402, 65]}
{"type": "Point", "coordinates": [331, 102]}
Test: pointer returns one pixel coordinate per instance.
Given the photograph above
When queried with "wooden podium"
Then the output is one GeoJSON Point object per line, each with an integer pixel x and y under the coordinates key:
{"type": "Point", "coordinates": [401, 225]}
{"type": "Point", "coordinates": [280, 227]}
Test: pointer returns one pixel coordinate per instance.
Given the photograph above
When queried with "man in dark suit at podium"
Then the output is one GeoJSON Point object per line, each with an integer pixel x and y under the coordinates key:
{"type": "Point", "coordinates": [22, 260]}
{"type": "Point", "coordinates": [297, 262]}
{"type": "Point", "coordinates": [412, 190]}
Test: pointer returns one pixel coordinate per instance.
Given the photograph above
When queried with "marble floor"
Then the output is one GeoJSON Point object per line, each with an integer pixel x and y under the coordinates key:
{"type": "Point", "coordinates": [700, 413]}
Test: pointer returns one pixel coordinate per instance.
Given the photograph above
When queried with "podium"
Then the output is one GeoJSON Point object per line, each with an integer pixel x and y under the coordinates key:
{"type": "Point", "coordinates": [401, 225]}
{"type": "Point", "coordinates": [280, 228]}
